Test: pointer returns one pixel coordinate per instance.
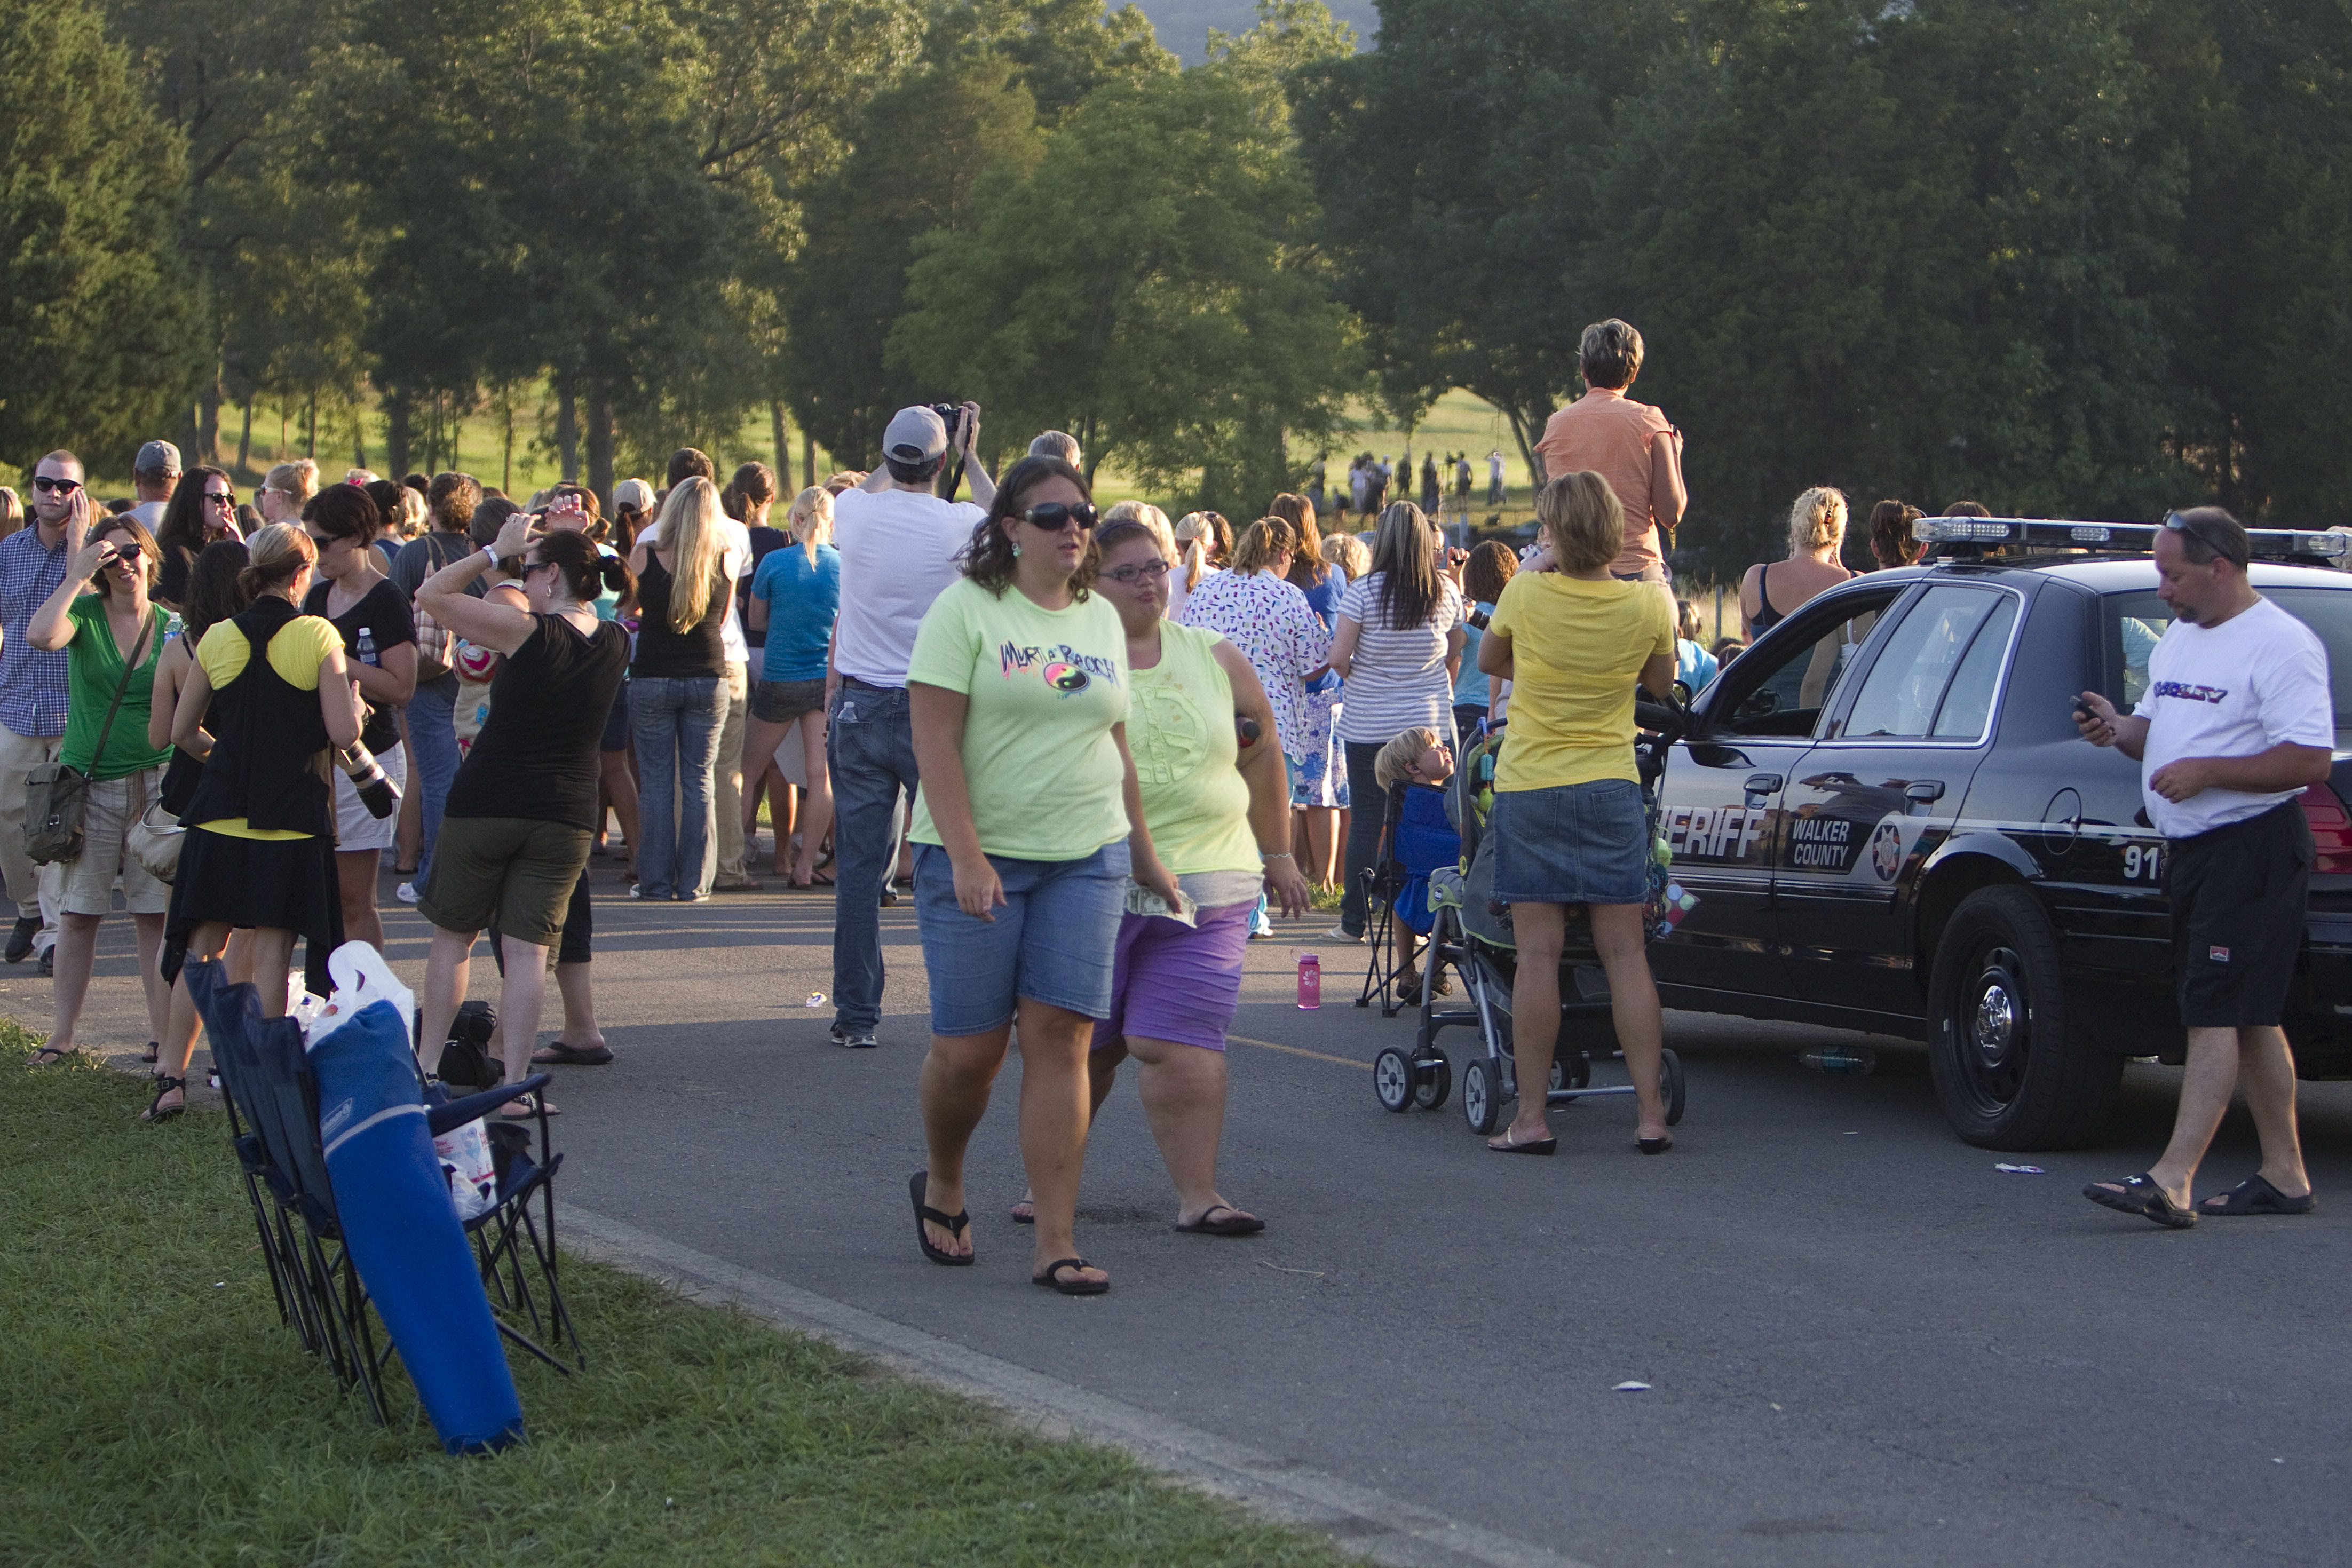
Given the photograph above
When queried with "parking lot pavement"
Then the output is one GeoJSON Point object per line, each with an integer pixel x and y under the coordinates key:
{"type": "Point", "coordinates": [1863, 1344]}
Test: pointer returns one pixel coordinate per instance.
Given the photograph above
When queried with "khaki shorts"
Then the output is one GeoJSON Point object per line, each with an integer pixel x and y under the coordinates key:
{"type": "Point", "coordinates": [509, 871]}
{"type": "Point", "coordinates": [88, 887]}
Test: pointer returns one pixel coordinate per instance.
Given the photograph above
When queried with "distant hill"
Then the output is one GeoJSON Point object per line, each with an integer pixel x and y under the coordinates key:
{"type": "Point", "coordinates": [1184, 25]}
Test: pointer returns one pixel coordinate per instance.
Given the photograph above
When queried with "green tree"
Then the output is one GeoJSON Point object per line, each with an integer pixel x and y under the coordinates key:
{"type": "Point", "coordinates": [1137, 290]}
{"type": "Point", "coordinates": [96, 317]}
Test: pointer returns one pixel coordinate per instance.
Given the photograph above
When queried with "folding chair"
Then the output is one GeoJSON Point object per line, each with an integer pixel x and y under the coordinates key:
{"type": "Point", "coordinates": [1416, 840]}
{"type": "Point", "coordinates": [513, 1244]}
{"type": "Point", "coordinates": [1380, 882]}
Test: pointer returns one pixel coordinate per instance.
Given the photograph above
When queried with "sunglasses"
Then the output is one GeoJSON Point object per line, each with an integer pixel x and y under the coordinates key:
{"type": "Point", "coordinates": [49, 487]}
{"type": "Point", "coordinates": [1052, 517]}
{"type": "Point", "coordinates": [530, 566]}
{"type": "Point", "coordinates": [1141, 571]}
{"type": "Point", "coordinates": [225, 499]}
{"type": "Point", "coordinates": [125, 548]}
{"type": "Point", "coordinates": [2228, 549]}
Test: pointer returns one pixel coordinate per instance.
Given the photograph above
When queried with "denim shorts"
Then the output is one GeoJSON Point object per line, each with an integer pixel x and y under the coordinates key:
{"type": "Point", "coordinates": [781, 701]}
{"type": "Point", "coordinates": [1574, 844]}
{"type": "Point", "coordinates": [1054, 938]}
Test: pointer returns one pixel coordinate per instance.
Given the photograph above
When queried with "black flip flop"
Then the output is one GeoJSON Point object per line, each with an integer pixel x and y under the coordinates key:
{"type": "Point", "coordinates": [1052, 1280]}
{"type": "Point", "coordinates": [1236, 1223]}
{"type": "Point", "coordinates": [561, 1054]}
{"type": "Point", "coordinates": [2256, 1196]}
{"type": "Point", "coordinates": [955, 1224]}
{"type": "Point", "coordinates": [1533, 1146]}
{"type": "Point", "coordinates": [2142, 1196]}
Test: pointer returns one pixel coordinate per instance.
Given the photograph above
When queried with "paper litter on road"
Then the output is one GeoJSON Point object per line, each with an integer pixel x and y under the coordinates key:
{"type": "Point", "coordinates": [816, 999]}
{"type": "Point", "coordinates": [1631, 1387]}
{"type": "Point", "coordinates": [2020, 1170]}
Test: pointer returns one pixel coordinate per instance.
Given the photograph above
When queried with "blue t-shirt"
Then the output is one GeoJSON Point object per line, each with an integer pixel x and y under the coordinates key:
{"type": "Point", "coordinates": [801, 602]}
{"type": "Point", "coordinates": [1471, 688]}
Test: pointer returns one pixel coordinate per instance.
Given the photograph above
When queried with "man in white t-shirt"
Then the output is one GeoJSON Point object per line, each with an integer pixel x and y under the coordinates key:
{"type": "Point", "coordinates": [900, 546]}
{"type": "Point", "coordinates": [155, 474]}
{"type": "Point", "coordinates": [2236, 722]}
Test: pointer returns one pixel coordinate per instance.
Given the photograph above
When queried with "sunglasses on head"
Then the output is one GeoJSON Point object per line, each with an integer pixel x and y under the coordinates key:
{"type": "Point", "coordinates": [49, 487]}
{"type": "Point", "coordinates": [2228, 551]}
{"type": "Point", "coordinates": [1053, 516]}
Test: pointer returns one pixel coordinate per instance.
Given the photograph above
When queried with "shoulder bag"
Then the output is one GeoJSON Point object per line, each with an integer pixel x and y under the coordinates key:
{"type": "Point", "coordinates": [56, 796]}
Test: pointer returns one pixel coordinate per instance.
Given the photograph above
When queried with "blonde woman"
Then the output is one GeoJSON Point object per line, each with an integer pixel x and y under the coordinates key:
{"type": "Point", "coordinates": [1349, 554]}
{"type": "Point", "coordinates": [678, 690]}
{"type": "Point", "coordinates": [1816, 537]}
{"type": "Point", "coordinates": [1567, 822]}
{"type": "Point", "coordinates": [1194, 540]}
{"type": "Point", "coordinates": [287, 490]}
{"type": "Point", "coordinates": [795, 594]}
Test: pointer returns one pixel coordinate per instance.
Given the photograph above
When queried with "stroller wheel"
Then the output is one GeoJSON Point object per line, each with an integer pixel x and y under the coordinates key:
{"type": "Point", "coordinates": [1670, 1082]}
{"type": "Point", "coordinates": [1482, 1103]}
{"type": "Point", "coordinates": [1434, 1083]}
{"type": "Point", "coordinates": [1393, 1080]}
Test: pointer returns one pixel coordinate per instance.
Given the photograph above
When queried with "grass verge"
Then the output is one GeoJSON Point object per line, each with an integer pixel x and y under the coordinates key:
{"type": "Point", "coordinates": [156, 1411]}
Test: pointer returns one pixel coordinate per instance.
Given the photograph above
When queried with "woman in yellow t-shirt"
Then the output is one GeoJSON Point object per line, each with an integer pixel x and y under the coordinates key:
{"type": "Point", "coordinates": [1027, 827]}
{"type": "Point", "coordinates": [1568, 822]}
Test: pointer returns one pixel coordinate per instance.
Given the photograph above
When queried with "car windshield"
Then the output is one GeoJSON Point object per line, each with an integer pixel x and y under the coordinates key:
{"type": "Point", "coordinates": [2135, 622]}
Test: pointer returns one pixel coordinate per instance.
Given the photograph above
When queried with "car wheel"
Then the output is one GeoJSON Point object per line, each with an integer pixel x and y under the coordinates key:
{"type": "Point", "coordinates": [2012, 1068]}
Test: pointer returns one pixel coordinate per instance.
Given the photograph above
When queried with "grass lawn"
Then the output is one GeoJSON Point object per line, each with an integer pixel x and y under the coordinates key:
{"type": "Point", "coordinates": [158, 1413]}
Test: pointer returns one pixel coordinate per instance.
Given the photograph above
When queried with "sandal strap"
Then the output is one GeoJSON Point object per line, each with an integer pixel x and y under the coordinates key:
{"type": "Point", "coordinates": [1061, 1263]}
{"type": "Point", "coordinates": [954, 1223]}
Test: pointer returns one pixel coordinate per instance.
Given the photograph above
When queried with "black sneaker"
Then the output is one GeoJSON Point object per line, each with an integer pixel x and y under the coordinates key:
{"type": "Point", "coordinates": [49, 963]}
{"type": "Point", "coordinates": [20, 938]}
{"type": "Point", "coordinates": [853, 1038]}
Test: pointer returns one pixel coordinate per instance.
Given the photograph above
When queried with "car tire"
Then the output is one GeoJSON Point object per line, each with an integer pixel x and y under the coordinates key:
{"type": "Point", "coordinates": [2012, 1069]}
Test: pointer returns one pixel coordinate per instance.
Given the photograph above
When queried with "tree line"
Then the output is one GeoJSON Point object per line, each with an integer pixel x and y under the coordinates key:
{"type": "Point", "coordinates": [2063, 259]}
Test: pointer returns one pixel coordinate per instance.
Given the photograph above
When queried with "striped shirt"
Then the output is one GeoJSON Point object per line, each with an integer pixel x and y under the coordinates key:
{"type": "Point", "coordinates": [1397, 680]}
{"type": "Point", "coordinates": [32, 680]}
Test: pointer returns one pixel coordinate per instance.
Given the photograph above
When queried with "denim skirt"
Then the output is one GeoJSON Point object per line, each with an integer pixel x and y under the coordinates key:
{"type": "Point", "coordinates": [1573, 843]}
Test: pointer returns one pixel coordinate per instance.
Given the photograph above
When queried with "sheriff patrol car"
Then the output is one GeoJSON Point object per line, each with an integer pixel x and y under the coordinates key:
{"type": "Point", "coordinates": [1890, 822]}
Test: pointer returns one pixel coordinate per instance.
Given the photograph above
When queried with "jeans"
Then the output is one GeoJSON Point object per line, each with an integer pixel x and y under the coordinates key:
{"type": "Point", "coordinates": [433, 745]}
{"type": "Point", "coordinates": [1370, 805]}
{"type": "Point", "coordinates": [870, 743]}
{"type": "Point", "coordinates": [675, 722]}
{"type": "Point", "coordinates": [730, 780]}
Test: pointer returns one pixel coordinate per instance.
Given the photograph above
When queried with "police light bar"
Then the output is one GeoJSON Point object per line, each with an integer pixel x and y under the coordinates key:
{"type": "Point", "coordinates": [2131, 538]}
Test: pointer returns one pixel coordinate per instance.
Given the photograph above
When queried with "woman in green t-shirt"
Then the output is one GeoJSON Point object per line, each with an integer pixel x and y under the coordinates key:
{"type": "Point", "coordinates": [1568, 824]}
{"type": "Point", "coordinates": [102, 632]}
{"type": "Point", "coordinates": [1027, 828]}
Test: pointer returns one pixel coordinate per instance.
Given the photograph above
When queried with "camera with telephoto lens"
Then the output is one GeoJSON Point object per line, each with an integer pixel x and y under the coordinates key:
{"type": "Point", "coordinates": [377, 793]}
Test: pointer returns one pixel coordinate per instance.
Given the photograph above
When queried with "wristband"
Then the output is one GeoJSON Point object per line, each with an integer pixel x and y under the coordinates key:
{"type": "Point", "coordinates": [489, 559]}
{"type": "Point", "coordinates": [1263, 856]}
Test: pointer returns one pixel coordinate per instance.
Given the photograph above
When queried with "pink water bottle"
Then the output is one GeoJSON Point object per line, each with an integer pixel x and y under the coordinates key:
{"type": "Point", "coordinates": [1310, 981]}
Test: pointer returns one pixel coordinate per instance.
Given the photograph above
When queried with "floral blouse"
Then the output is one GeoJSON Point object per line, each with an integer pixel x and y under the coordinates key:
{"type": "Point", "coordinates": [1270, 621]}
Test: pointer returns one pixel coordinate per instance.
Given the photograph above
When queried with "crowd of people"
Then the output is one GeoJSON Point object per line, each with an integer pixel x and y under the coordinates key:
{"type": "Point", "coordinates": [1101, 749]}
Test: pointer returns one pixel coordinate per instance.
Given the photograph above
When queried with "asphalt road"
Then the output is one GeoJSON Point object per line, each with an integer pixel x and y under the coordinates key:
{"type": "Point", "coordinates": [1864, 1344]}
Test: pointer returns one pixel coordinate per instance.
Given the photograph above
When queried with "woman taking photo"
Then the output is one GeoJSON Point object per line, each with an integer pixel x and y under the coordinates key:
{"type": "Point", "coordinates": [522, 809]}
{"type": "Point", "coordinates": [1218, 813]}
{"type": "Point", "coordinates": [201, 511]}
{"type": "Point", "coordinates": [371, 613]}
{"type": "Point", "coordinates": [679, 690]}
{"type": "Point", "coordinates": [1027, 827]}
{"type": "Point", "coordinates": [1568, 822]}
{"type": "Point", "coordinates": [113, 639]}
{"type": "Point", "coordinates": [1398, 646]}
{"type": "Point", "coordinates": [267, 699]}
{"type": "Point", "coordinates": [795, 594]}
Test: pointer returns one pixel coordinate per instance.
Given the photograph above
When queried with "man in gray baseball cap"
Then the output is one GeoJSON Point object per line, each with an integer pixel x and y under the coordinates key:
{"type": "Point", "coordinates": [155, 472]}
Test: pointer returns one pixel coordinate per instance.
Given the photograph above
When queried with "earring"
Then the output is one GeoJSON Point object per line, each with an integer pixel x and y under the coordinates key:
{"type": "Point", "coordinates": [1016, 551]}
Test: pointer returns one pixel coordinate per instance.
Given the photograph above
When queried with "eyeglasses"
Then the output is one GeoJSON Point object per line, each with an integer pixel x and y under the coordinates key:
{"type": "Point", "coordinates": [1052, 517]}
{"type": "Point", "coordinates": [1141, 571]}
{"type": "Point", "coordinates": [49, 487]}
{"type": "Point", "coordinates": [2229, 549]}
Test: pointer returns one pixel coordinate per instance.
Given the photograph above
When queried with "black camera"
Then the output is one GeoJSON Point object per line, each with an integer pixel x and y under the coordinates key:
{"type": "Point", "coordinates": [377, 793]}
{"type": "Point", "coordinates": [950, 414]}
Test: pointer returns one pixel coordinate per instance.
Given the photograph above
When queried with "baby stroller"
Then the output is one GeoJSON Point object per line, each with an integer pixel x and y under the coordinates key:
{"type": "Point", "coordinates": [1471, 934]}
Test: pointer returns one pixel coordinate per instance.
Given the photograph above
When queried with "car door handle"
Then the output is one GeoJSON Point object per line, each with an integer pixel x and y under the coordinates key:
{"type": "Point", "coordinates": [1921, 793]}
{"type": "Point", "coordinates": [1760, 787]}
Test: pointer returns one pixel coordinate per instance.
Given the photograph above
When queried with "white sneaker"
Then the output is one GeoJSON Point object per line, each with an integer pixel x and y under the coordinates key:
{"type": "Point", "coordinates": [405, 892]}
{"type": "Point", "coordinates": [1339, 933]}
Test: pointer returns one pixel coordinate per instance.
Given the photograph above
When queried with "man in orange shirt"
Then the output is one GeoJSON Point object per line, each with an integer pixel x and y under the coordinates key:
{"type": "Point", "coordinates": [1630, 444]}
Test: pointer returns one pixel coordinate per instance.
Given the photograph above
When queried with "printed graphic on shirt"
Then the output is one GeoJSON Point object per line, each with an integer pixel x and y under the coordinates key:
{"type": "Point", "coordinates": [1062, 666]}
{"type": "Point", "coordinates": [2192, 693]}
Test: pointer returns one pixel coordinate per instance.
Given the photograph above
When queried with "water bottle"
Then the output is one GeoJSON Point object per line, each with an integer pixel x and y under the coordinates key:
{"type": "Point", "coordinates": [1310, 982]}
{"type": "Point", "coordinates": [367, 646]}
{"type": "Point", "coordinates": [1844, 1061]}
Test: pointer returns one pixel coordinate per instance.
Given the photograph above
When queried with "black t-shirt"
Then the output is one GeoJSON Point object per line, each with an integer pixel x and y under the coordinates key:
{"type": "Point", "coordinates": [536, 756]}
{"type": "Point", "coordinates": [765, 542]}
{"type": "Point", "coordinates": [382, 612]}
{"type": "Point", "coordinates": [698, 651]}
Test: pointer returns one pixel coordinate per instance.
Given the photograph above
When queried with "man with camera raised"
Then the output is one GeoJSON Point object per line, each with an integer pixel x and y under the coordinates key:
{"type": "Point", "coordinates": [900, 543]}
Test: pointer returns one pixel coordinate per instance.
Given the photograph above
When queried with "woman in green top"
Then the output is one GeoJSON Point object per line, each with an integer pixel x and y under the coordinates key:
{"type": "Point", "coordinates": [1027, 826]}
{"type": "Point", "coordinates": [102, 632]}
{"type": "Point", "coordinates": [1219, 813]}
